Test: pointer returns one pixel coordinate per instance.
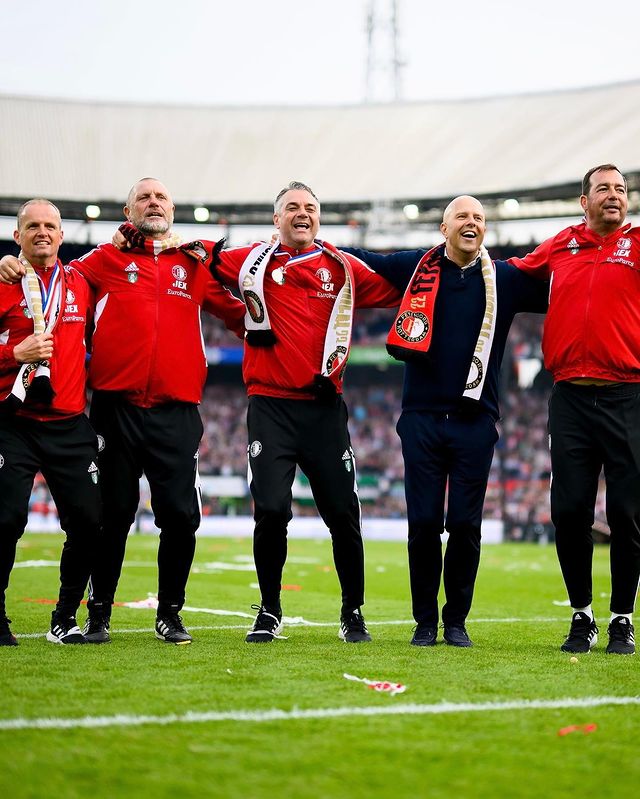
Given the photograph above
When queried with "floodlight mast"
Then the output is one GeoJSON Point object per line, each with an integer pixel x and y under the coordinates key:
{"type": "Point", "coordinates": [383, 64]}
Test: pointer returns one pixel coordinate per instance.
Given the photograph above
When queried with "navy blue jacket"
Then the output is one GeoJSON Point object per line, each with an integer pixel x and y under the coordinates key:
{"type": "Point", "coordinates": [437, 385]}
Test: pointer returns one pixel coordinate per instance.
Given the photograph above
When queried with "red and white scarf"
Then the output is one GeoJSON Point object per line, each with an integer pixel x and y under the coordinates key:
{"type": "Point", "coordinates": [258, 325]}
{"type": "Point", "coordinates": [136, 239]}
{"type": "Point", "coordinates": [410, 336]}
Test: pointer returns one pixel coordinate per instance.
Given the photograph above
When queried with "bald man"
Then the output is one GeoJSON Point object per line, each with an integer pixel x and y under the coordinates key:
{"type": "Point", "coordinates": [451, 331]}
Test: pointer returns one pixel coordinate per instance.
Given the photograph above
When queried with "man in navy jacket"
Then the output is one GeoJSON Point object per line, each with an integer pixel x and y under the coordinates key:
{"type": "Point", "coordinates": [447, 437]}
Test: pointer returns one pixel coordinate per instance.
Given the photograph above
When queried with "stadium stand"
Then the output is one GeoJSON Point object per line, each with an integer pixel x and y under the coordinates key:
{"type": "Point", "coordinates": [523, 156]}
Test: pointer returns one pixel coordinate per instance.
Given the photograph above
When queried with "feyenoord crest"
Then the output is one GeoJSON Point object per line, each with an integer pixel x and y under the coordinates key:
{"type": "Point", "coordinates": [339, 351]}
{"type": "Point", "coordinates": [28, 375]}
{"type": "Point", "coordinates": [412, 326]}
{"type": "Point", "coordinates": [255, 448]}
{"type": "Point", "coordinates": [325, 277]}
{"type": "Point", "coordinates": [71, 297]}
{"type": "Point", "coordinates": [254, 306]}
{"type": "Point", "coordinates": [623, 248]}
{"type": "Point", "coordinates": [100, 443]}
{"type": "Point", "coordinates": [474, 382]}
{"type": "Point", "coordinates": [179, 272]}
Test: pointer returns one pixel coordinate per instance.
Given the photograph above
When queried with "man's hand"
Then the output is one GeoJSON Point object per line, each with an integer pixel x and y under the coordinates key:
{"type": "Point", "coordinates": [34, 348]}
{"type": "Point", "coordinates": [119, 241]}
{"type": "Point", "coordinates": [127, 236]}
{"type": "Point", "coordinates": [11, 270]}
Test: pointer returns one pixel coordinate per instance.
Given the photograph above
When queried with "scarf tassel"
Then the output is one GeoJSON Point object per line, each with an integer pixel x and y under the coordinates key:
{"type": "Point", "coordinates": [260, 338]}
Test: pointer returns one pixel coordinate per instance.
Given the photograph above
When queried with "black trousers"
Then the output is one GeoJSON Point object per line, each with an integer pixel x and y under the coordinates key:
{"type": "Point", "coordinates": [441, 450]}
{"type": "Point", "coordinates": [163, 443]}
{"type": "Point", "coordinates": [65, 451]}
{"type": "Point", "coordinates": [284, 433]}
{"type": "Point", "coordinates": [593, 427]}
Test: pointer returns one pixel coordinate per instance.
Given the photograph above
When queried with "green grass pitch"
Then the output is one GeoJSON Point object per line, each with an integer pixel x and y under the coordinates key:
{"type": "Point", "coordinates": [139, 717]}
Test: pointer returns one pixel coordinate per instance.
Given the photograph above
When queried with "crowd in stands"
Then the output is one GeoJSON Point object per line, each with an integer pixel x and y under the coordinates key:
{"type": "Point", "coordinates": [518, 491]}
{"type": "Point", "coordinates": [519, 483]}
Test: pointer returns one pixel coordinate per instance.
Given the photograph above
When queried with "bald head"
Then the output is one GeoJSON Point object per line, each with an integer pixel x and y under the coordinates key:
{"type": "Point", "coordinates": [39, 232]}
{"type": "Point", "coordinates": [465, 202]}
{"type": "Point", "coordinates": [463, 227]}
{"type": "Point", "coordinates": [150, 208]}
{"type": "Point", "coordinates": [37, 201]}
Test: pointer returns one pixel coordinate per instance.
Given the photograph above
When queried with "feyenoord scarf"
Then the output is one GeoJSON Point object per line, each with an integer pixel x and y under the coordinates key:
{"type": "Point", "coordinates": [44, 308]}
{"type": "Point", "coordinates": [410, 336]}
{"type": "Point", "coordinates": [195, 249]}
{"type": "Point", "coordinates": [259, 333]}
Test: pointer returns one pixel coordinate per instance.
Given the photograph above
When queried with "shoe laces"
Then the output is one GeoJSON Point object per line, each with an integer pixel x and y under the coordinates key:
{"type": "Point", "coordinates": [98, 618]}
{"type": "Point", "coordinates": [264, 620]}
{"type": "Point", "coordinates": [620, 630]}
{"type": "Point", "coordinates": [97, 623]}
{"type": "Point", "coordinates": [581, 624]}
{"type": "Point", "coordinates": [174, 620]}
{"type": "Point", "coordinates": [354, 622]}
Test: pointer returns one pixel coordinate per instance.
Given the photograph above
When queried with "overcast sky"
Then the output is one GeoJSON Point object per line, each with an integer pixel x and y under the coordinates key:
{"type": "Point", "coordinates": [309, 51]}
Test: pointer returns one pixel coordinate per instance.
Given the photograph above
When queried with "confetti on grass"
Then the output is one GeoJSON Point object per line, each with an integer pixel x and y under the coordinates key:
{"type": "Point", "coordinates": [382, 686]}
{"type": "Point", "coordinates": [585, 728]}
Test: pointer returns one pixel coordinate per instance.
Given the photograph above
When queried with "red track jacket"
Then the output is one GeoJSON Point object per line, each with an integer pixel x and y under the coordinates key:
{"type": "Point", "coordinates": [147, 341]}
{"type": "Point", "coordinates": [68, 372]}
{"type": "Point", "coordinates": [299, 311]}
{"type": "Point", "coordinates": [592, 328]}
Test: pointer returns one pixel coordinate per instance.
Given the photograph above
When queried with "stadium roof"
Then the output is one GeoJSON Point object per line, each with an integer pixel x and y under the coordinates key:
{"type": "Point", "coordinates": [235, 159]}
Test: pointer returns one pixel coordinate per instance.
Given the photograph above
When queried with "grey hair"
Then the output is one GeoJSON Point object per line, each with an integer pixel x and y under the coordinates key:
{"type": "Point", "coordinates": [132, 191]}
{"type": "Point", "coordinates": [295, 185]}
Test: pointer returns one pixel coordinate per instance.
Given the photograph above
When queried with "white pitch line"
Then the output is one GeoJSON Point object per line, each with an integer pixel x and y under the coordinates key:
{"type": "Point", "coordinates": [442, 708]}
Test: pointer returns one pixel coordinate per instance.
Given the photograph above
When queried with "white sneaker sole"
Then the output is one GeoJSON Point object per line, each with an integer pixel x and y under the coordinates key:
{"type": "Point", "coordinates": [77, 638]}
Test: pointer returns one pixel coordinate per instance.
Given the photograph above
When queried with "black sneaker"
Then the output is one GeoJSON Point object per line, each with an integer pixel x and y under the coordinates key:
{"type": "Point", "coordinates": [353, 630]}
{"type": "Point", "coordinates": [424, 635]}
{"type": "Point", "coordinates": [7, 638]}
{"type": "Point", "coordinates": [265, 628]}
{"type": "Point", "coordinates": [64, 629]}
{"type": "Point", "coordinates": [96, 628]}
{"type": "Point", "coordinates": [171, 630]}
{"type": "Point", "coordinates": [583, 634]}
{"type": "Point", "coordinates": [456, 635]}
{"type": "Point", "coordinates": [621, 639]}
